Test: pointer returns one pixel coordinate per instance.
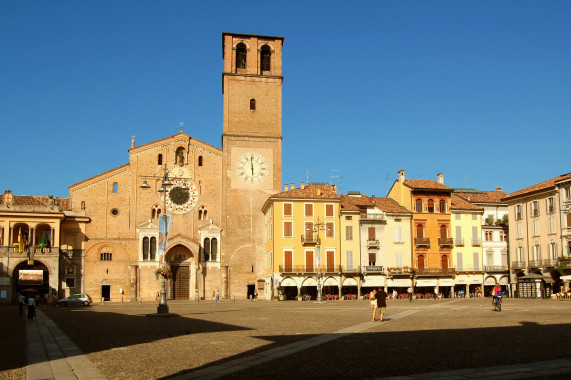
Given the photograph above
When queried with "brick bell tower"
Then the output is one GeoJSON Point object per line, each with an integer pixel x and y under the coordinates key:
{"type": "Point", "coordinates": [252, 154]}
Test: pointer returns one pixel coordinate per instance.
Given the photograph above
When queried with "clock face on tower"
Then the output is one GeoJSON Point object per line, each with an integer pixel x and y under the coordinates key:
{"type": "Point", "coordinates": [182, 196]}
{"type": "Point", "coordinates": [252, 168]}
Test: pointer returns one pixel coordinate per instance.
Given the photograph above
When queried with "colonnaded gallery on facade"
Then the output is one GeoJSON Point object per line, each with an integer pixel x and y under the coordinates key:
{"type": "Point", "coordinates": [105, 238]}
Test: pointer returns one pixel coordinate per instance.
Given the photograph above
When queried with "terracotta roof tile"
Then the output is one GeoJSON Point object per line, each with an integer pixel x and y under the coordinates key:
{"type": "Point", "coordinates": [425, 184]}
{"type": "Point", "coordinates": [483, 197]}
{"type": "Point", "coordinates": [550, 183]}
{"type": "Point", "coordinates": [459, 203]}
{"type": "Point", "coordinates": [352, 203]}
{"type": "Point", "coordinates": [35, 200]}
{"type": "Point", "coordinates": [309, 191]}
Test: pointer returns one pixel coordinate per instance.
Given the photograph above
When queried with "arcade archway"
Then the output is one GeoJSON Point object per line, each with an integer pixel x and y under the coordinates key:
{"type": "Point", "coordinates": [28, 279]}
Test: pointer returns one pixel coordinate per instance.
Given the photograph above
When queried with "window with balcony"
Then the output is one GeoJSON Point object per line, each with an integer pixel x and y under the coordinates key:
{"type": "Point", "coordinates": [398, 258]}
{"type": "Point", "coordinates": [372, 258]}
{"type": "Point", "coordinates": [288, 261]}
{"type": "Point", "coordinates": [308, 231]}
{"type": "Point", "coordinates": [459, 261]}
{"type": "Point", "coordinates": [349, 260]}
{"type": "Point", "coordinates": [520, 253]}
{"type": "Point", "coordinates": [419, 231]}
{"type": "Point", "coordinates": [552, 251]}
{"type": "Point", "coordinates": [371, 233]}
{"type": "Point", "coordinates": [536, 252]}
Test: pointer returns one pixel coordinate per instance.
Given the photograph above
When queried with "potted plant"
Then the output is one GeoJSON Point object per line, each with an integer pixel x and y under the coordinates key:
{"type": "Point", "coordinates": [165, 272]}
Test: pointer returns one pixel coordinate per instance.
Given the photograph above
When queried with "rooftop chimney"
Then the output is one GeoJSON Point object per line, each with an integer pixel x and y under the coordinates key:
{"type": "Point", "coordinates": [401, 175]}
{"type": "Point", "coordinates": [285, 187]}
{"type": "Point", "coordinates": [292, 186]}
{"type": "Point", "coordinates": [302, 185]}
{"type": "Point", "coordinates": [334, 188]}
{"type": "Point", "coordinates": [440, 178]}
{"type": "Point", "coordinates": [499, 188]}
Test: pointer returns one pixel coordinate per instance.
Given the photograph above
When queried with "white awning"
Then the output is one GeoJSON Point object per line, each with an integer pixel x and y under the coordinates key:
{"type": "Point", "coordinates": [446, 282]}
{"type": "Point", "coordinates": [476, 280]}
{"type": "Point", "coordinates": [426, 282]}
{"type": "Point", "coordinates": [373, 281]}
{"type": "Point", "coordinates": [288, 282]}
{"type": "Point", "coordinates": [350, 281]}
{"type": "Point", "coordinates": [504, 280]}
{"type": "Point", "coordinates": [461, 280]}
{"type": "Point", "coordinates": [399, 282]}
{"type": "Point", "coordinates": [565, 278]}
{"type": "Point", "coordinates": [330, 281]}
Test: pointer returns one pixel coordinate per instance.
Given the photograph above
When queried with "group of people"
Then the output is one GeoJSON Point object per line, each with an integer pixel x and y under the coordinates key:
{"type": "Point", "coordinates": [378, 301]}
{"type": "Point", "coordinates": [31, 302]}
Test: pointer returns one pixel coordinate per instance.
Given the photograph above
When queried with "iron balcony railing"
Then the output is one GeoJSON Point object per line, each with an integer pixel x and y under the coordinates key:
{"type": "Point", "coordinates": [518, 265]}
{"type": "Point", "coordinates": [549, 263]}
{"type": "Point", "coordinates": [435, 271]}
{"type": "Point", "coordinates": [445, 242]}
{"type": "Point", "coordinates": [468, 269]}
{"type": "Point", "coordinates": [496, 268]}
{"type": "Point", "coordinates": [422, 241]}
{"type": "Point", "coordinates": [372, 243]}
{"type": "Point", "coordinates": [459, 242]}
{"type": "Point", "coordinates": [309, 269]}
{"type": "Point", "coordinates": [310, 240]}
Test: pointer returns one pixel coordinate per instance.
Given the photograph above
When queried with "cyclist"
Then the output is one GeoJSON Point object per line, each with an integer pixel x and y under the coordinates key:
{"type": "Point", "coordinates": [496, 296]}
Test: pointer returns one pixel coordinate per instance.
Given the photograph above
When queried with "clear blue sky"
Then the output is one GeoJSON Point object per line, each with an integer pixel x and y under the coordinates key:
{"type": "Point", "coordinates": [478, 90]}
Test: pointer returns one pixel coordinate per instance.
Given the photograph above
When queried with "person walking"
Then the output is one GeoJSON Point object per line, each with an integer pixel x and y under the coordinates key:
{"type": "Point", "coordinates": [373, 303]}
{"type": "Point", "coordinates": [381, 298]}
{"type": "Point", "coordinates": [31, 307]}
{"type": "Point", "coordinates": [21, 300]}
{"type": "Point", "coordinates": [409, 291]}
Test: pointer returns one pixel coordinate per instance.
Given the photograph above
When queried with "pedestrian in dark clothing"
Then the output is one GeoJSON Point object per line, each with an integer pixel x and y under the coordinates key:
{"type": "Point", "coordinates": [21, 300]}
{"type": "Point", "coordinates": [381, 298]}
{"type": "Point", "coordinates": [31, 307]}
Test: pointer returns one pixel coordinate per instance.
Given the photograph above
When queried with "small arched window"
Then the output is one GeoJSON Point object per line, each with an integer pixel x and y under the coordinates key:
{"type": "Point", "coordinates": [420, 231]}
{"type": "Point", "coordinates": [83, 205]}
{"type": "Point", "coordinates": [115, 187]}
{"type": "Point", "coordinates": [206, 249]}
{"type": "Point", "coordinates": [430, 205]}
{"type": "Point", "coordinates": [442, 206]}
{"type": "Point", "coordinates": [214, 249]}
{"type": "Point", "coordinates": [253, 104]}
{"type": "Point", "coordinates": [241, 56]}
{"type": "Point", "coordinates": [179, 156]}
{"type": "Point", "coordinates": [145, 248]}
{"type": "Point", "coordinates": [155, 212]}
{"type": "Point", "coordinates": [202, 213]}
{"type": "Point", "coordinates": [265, 58]}
{"type": "Point", "coordinates": [160, 159]}
{"type": "Point", "coordinates": [199, 160]}
{"type": "Point", "coordinates": [153, 248]}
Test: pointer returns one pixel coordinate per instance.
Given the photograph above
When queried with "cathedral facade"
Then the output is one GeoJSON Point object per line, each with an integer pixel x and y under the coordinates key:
{"type": "Point", "coordinates": [212, 198]}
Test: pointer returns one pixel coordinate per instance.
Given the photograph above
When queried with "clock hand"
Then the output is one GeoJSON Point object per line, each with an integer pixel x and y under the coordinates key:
{"type": "Point", "coordinates": [252, 164]}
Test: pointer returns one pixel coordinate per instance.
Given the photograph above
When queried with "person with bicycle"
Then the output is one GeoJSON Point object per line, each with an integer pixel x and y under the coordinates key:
{"type": "Point", "coordinates": [497, 295]}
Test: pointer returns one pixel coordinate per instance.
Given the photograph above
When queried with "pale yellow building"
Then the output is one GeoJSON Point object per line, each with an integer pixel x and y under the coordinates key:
{"type": "Point", "coordinates": [466, 222]}
{"type": "Point", "coordinates": [303, 242]}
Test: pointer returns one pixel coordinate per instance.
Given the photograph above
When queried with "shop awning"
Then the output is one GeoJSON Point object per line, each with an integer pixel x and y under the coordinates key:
{"type": "Point", "coordinates": [373, 281]}
{"type": "Point", "coordinates": [426, 282]}
{"type": "Point", "coordinates": [461, 280]}
{"type": "Point", "coordinates": [399, 282]}
{"type": "Point", "coordinates": [445, 282]}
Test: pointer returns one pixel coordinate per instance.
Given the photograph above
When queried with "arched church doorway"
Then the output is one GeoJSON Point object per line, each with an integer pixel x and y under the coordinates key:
{"type": "Point", "coordinates": [34, 278]}
{"type": "Point", "coordinates": [179, 259]}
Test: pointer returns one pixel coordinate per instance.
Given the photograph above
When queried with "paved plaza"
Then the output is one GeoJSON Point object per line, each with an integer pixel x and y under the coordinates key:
{"type": "Point", "coordinates": [450, 338]}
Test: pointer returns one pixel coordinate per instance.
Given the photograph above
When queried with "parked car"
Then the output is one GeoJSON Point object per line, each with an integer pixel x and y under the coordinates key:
{"type": "Point", "coordinates": [76, 299]}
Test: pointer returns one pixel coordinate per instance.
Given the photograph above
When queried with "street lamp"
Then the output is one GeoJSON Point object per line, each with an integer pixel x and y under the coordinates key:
{"type": "Point", "coordinates": [165, 184]}
{"type": "Point", "coordinates": [319, 226]}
